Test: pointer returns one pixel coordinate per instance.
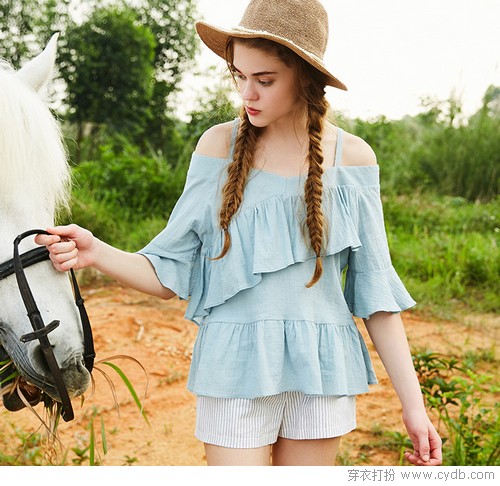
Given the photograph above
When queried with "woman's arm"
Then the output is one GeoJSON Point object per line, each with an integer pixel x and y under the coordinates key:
{"type": "Point", "coordinates": [387, 332]}
{"type": "Point", "coordinates": [75, 247]}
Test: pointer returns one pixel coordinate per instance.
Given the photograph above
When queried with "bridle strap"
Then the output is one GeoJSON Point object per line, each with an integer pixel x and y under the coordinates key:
{"type": "Point", "coordinates": [31, 257]}
{"type": "Point", "coordinates": [40, 331]}
{"type": "Point", "coordinates": [88, 339]}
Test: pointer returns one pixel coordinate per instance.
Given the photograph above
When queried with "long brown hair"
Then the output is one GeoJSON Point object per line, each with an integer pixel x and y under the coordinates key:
{"type": "Point", "coordinates": [311, 90]}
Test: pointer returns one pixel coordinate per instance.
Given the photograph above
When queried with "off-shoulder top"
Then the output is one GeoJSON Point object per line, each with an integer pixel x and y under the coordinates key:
{"type": "Point", "coordinates": [261, 330]}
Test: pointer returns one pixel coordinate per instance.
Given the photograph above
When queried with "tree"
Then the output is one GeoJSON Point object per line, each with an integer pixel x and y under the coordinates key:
{"type": "Point", "coordinates": [25, 27]}
{"type": "Point", "coordinates": [172, 23]}
{"type": "Point", "coordinates": [107, 63]}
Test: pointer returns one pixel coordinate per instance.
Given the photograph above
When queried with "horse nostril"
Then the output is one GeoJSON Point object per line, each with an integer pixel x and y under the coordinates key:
{"type": "Point", "coordinates": [30, 392]}
{"type": "Point", "coordinates": [13, 402]}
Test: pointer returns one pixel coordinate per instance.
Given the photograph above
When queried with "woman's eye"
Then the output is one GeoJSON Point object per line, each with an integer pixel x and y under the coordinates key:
{"type": "Point", "coordinates": [265, 83]}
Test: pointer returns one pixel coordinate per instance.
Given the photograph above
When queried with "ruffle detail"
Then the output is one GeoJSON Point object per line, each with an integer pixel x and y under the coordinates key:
{"type": "Point", "coordinates": [273, 356]}
{"type": "Point", "coordinates": [376, 290]}
{"type": "Point", "coordinates": [267, 237]}
{"type": "Point", "coordinates": [173, 270]}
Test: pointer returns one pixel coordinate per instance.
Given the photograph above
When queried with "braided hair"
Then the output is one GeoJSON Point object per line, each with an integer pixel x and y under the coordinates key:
{"type": "Point", "coordinates": [311, 90]}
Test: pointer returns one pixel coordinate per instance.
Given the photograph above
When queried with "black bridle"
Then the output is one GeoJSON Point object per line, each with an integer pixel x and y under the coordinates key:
{"type": "Point", "coordinates": [40, 331]}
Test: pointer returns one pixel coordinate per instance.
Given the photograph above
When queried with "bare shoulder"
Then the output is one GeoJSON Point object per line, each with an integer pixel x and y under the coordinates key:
{"type": "Point", "coordinates": [216, 141]}
{"type": "Point", "coordinates": [356, 151]}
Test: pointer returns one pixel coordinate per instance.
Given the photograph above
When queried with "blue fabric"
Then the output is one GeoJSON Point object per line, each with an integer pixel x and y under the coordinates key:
{"type": "Point", "coordinates": [261, 331]}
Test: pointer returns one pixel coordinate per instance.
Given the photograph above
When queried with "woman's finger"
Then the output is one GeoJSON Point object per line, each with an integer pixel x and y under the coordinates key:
{"type": "Point", "coordinates": [62, 258]}
{"type": "Point", "coordinates": [62, 247]}
{"type": "Point", "coordinates": [46, 240]}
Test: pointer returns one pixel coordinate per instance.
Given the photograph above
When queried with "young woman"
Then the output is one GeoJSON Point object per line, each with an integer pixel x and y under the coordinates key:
{"type": "Point", "coordinates": [277, 204]}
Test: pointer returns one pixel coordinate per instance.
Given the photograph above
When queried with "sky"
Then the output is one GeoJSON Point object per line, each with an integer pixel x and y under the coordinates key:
{"type": "Point", "coordinates": [393, 53]}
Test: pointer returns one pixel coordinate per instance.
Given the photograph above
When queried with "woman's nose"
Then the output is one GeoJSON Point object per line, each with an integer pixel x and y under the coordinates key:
{"type": "Point", "coordinates": [249, 92]}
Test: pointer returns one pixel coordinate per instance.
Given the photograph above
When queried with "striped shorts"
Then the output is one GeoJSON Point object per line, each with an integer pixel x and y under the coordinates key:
{"type": "Point", "coordinates": [257, 422]}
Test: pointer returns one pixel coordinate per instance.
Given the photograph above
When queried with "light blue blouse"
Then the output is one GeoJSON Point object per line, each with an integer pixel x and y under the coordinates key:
{"type": "Point", "coordinates": [261, 330]}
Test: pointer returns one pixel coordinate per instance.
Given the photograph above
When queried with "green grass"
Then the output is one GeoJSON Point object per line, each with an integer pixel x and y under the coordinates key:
{"type": "Point", "coordinates": [446, 251]}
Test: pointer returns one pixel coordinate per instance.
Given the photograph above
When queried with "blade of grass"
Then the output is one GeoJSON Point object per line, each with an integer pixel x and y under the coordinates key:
{"type": "Point", "coordinates": [130, 387]}
{"type": "Point", "coordinates": [103, 437]}
{"type": "Point", "coordinates": [92, 443]}
{"type": "Point", "coordinates": [111, 386]}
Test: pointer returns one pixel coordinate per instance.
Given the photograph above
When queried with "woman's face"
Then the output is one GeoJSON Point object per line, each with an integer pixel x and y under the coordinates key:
{"type": "Point", "coordinates": [267, 86]}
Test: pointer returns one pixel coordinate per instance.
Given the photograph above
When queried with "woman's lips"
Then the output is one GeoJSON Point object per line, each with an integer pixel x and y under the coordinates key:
{"type": "Point", "coordinates": [252, 111]}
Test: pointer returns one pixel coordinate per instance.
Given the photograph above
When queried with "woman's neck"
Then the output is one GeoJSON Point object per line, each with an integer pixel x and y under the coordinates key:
{"type": "Point", "coordinates": [282, 151]}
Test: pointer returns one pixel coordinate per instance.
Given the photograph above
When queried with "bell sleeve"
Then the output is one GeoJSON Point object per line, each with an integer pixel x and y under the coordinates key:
{"type": "Point", "coordinates": [175, 251]}
{"type": "Point", "coordinates": [372, 283]}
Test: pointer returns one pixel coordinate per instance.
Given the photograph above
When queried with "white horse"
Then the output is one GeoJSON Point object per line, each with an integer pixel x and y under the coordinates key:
{"type": "Point", "coordinates": [34, 185]}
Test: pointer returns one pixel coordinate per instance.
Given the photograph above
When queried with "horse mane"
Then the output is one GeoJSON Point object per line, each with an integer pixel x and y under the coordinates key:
{"type": "Point", "coordinates": [33, 158]}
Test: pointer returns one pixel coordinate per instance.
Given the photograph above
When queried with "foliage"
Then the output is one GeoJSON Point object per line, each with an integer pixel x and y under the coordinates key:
{"type": "Point", "coordinates": [172, 24]}
{"type": "Point", "coordinates": [458, 397]}
{"type": "Point", "coordinates": [121, 61]}
{"type": "Point", "coordinates": [446, 250]}
{"type": "Point", "coordinates": [29, 451]}
{"type": "Point", "coordinates": [214, 106]}
{"type": "Point", "coordinates": [461, 160]}
{"type": "Point", "coordinates": [124, 178]}
{"type": "Point", "coordinates": [93, 450]}
{"type": "Point", "coordinates": [391, 140]}
{"type": "Point", "coordinates": [123, 196]}
{"type": "Point", "coordinates": [107, 63]}
{"type": "Point", "coordinates": [130, 388]}
{"type": "Point", "coordinates": [438, 151]}
{"type": "Point", "coordinates": [36, 449]}
{"type": "Point", "coordinates": [25, 27]}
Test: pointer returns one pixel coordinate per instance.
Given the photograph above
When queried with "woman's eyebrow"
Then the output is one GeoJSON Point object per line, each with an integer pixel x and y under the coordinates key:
{"type": "Point", "coordinates": [256, 75]}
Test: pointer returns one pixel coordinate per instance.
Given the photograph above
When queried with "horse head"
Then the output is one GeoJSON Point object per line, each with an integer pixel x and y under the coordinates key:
{"type": "Point", "coordinates": [35, 184]}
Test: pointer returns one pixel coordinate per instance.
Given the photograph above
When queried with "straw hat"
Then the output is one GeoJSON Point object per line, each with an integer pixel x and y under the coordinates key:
{"type": "Point", "coordinates": [300, 25]}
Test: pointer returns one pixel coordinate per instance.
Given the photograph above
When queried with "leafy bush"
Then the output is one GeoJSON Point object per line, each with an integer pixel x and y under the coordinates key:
{"type": "Point", "coordinates": [392, 141]}
{"type": "Point", "coordinates": [122, 177]}
{"type": "Point", "coordinates": [460, 161]}
{"type": "Point", "coordinates": [123, 196]}
{"type": "Point", "coordinates": [438, 151]}
{"type": "Point", "coordinates": [458, 397]}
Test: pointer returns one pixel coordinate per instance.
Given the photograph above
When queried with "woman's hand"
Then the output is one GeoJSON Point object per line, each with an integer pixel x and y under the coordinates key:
{"type": "Point", "coordinates": [75, 247]}
{"type": "Point", "coordinates": [426, 441]}
{"type": "Point", "coordinates": [69, 246]}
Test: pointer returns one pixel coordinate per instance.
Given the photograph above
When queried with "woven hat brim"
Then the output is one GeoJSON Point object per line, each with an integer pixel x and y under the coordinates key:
{"type": "Point", "coordinates": [215, 38]}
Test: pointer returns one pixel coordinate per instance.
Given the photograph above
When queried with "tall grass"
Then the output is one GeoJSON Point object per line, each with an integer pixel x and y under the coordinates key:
{"type": "Point", "coordinates": [439, 151]}
{"type": "Point", "coordinates": [446, 250]}
{"type": "Point", "coordinates": [460, 161]}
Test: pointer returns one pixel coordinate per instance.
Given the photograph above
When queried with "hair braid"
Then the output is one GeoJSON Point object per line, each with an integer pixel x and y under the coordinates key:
{"type": "Point", "coordinates": [237, 175]}
{"type": "Point", "coordinates": [313, 188]}
{"type": "Point", "coordinates": [311, 89]}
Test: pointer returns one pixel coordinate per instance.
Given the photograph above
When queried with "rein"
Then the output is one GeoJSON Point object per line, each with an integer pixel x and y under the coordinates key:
{"type": "Point", "coordinates": [40, 331]}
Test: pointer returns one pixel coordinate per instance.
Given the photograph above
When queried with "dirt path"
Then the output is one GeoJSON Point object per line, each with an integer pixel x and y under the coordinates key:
{"type": "Point", "coordinates": [155, 333]}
